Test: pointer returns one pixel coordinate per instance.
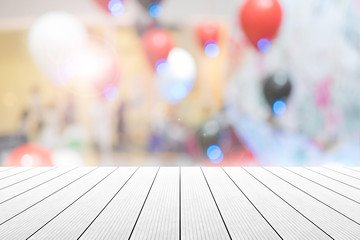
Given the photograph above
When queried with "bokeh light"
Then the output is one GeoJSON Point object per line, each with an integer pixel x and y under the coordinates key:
{"type": "Point", "coordinates": [212, 50]}
{"type": "Point", "coordinates": [162, 67]}
{"type": "Point", "coordinates": [155, 10]}
{"type": "Point", "coordinates": [182, 64]}
{"type": "Point", "coordinates": [116, 7]}
{"type": "Point", "coordinates": [97, 69]}
{"type": "Point", "coordinates": [279, 107]}
{"type": "Point", "coordinates": [67, 158]}
{"type": "Point", "coordinates": [28, 161]}
{"type": "Point", "coordinates": [111, 92]}
{"type": "Point", "coordinates": [214, 154]}
{"type": "Point", "coordinates": [264, 45]}
{"type": "Point", "coordinates": [29, 155]}
{"type": "Point", "coordinates": [176, 76]}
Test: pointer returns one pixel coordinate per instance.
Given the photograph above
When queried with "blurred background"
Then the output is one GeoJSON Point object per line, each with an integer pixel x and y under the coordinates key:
{"type": "Point", "coordinates": [191, 82]}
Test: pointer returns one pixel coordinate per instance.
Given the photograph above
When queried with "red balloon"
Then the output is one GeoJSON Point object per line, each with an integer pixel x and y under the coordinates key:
{"type": "Point", "coordinates": [157, 44]}
{"type": "Point", "coordinates": [206, 31]}
{"type": "Point", "coordinates": [103, 4]}
{"type": "Point", "coordinates": [260, 19]}
{"type": "Point", "coordinates": [29, 155]}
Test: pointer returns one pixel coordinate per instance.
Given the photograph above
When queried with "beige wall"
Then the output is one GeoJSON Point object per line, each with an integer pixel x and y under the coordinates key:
{"type": "Point", "coordinates": [19, 75]}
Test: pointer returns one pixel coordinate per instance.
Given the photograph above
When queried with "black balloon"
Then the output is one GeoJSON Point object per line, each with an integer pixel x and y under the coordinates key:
{"type": "Point", "coordinates": [146, 3]}
{"type": "Point", "coordinates": [277, 86]}
{"type": "Point", "coordinates": [209, 134]}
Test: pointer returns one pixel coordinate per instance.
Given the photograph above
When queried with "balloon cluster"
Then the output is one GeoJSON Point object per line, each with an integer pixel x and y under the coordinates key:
{"type": "Point", "coordinates": [56, 41]}
{"type": "Point", "coordinates": [175, 67]}
{"type": "Point", "coordinates": [157, 45]}
{"type": "Point", "coordinates": [67, 55]}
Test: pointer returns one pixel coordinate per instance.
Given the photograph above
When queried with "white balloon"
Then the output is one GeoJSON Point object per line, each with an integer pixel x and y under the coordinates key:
{"type": "Point", "coordinates": [67, 158]}
{"type": "Point", "coordinates": [182, 64]}
{"type": "Point", "coordinates": [56, 41]}
{"type": "Point", "coordinates": [177, 80]}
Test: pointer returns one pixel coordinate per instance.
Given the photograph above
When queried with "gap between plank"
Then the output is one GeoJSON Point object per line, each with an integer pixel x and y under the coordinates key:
{"type": "Point", "coordinates": [47, 197]}
{"type": "Point", "coordinates": [333, 178]}
{"type": "Point", "coordinates": [341, 173]}
{"type": "Point", "coordinates": [17, 173]}
{"type": "Point", "coordinates": [216, 203]}
{"type": "Point", "coordinates": [35, 186]}
{"type": "Point", "coordinates": [147, 195]}
{"type": "Point", "coordinates": [252, 204]}
{"type": "Point", "coordinates": [107, 204]}
{"type": "Point", "coordinates": [6, 169]}
{"type": "Point", "coordinates": [313, 197]}
{"type": "Point", "coordinates": [72, 203]}
{"type": "Point", "coordinates": [27, 178]}
{"type": "Point", "coordinates": [352, 169]}
{"type": "Point", "coordinates": [322, 186]}
{"type": "Point", "coordinates": [288, 203]}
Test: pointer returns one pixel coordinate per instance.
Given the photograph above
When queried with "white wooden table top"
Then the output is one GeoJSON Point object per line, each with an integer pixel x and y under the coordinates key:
{"type": "Point", "coordinates": [180, 203]}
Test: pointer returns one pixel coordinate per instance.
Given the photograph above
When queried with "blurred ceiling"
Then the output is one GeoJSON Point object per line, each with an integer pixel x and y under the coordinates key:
{"type": "Point", "coordinates": [15, 14]}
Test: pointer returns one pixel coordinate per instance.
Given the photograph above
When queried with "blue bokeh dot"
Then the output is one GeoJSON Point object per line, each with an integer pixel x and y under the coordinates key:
{"type": "Point", "coordinates": [279, 107]}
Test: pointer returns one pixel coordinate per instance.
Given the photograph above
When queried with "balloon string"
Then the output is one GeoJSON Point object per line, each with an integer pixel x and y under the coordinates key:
{"type": "Point", "coordinates": [261, 64]}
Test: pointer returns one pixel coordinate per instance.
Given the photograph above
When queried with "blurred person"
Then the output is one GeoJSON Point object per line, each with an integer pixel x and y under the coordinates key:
{"type": "Point", "coordinates": [102, 131]}
{"type": "Point", "coordinates": [69, 117]}
{"type": "Point", "coordinates": [35, 113]}
{"type": "Point", "coordinates": [121, 125]}
{"type": "Point", "coordinates": [50, 130]}
{"type": "Point", "coordinates": [24, 124]}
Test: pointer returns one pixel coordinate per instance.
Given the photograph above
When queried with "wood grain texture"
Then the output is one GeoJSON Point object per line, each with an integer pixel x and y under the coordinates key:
{"type": "Point", "coordinates": [180, 203]}
{"type": "Point", "coordinates": [331, 222]}
{"type": "Point", "coordinates": [119, 217]}
{"type": "Point", "coordinates": [289, 222]}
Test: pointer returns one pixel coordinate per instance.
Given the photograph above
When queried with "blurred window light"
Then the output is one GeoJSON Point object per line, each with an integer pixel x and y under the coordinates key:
{"type": "Point", "coordinates": [212, 50]}
{"type": "Point", "coordinates": [214, 154]}
{"type": "Point", "coordinates": [116, 7]}
{"type": "Point", "coordinates": [155, 10]}
{"type": "Point", "coordinates": [264, 45]}
{"type": "Point", "coordinates": [279, 107]}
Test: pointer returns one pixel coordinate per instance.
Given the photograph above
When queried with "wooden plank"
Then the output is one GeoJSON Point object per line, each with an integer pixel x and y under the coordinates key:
{"type": "Point", "coordinates": [15, 206]}
{"type": "Point", "coordinates": [286, 220]}
{"type": "Point", "coordinates": [345, 190]}
{"type": "Point", "coordinates": [160, 216]}
{"type": "Point", "coordinates": [26, 223]}
{"type": "Point", "coordinates": [72, 222]}
{"type": "Point", "coordinates": [200, 218]}
{"type": "Point", "coordinates": [13, 191]}
{"type": "Point", "coordinates": [119, 217]}
{"type": "Point", "coordinates": [356, 169]}
{"type": "Point", "coordinates": [5, 169]}
{"type": "Point", "coordinates": [336, 176]}
{"type": "Point", "coordinates": [23, 177]}
{"type": "Point", "coordinates": [342, 205]}
{"type": "Point", "coordinates": [14, 172]}
{"type": "Point", "coordinates": [330, 221]}
{"type": "Point", "coordinates": [346, 172]}
{"type": "Point", "coordinates": [241, 217]}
